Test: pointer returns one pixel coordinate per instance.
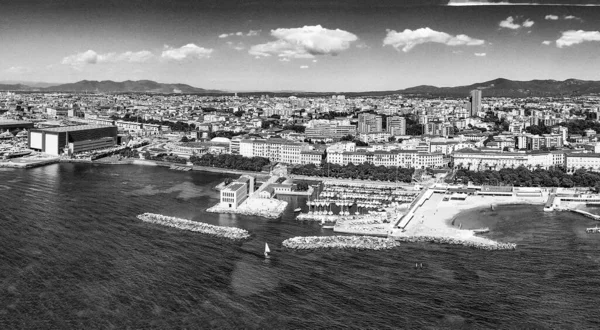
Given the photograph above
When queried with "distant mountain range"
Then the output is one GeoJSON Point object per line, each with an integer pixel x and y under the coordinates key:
{"type": "Point", "coordinates": [498, 88]}
{"type": "Point", "coordinates": [109, 86]}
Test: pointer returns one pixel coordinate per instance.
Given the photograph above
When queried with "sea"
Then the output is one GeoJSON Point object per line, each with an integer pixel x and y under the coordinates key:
{"type": "Point", "coordinates": [74, 256]}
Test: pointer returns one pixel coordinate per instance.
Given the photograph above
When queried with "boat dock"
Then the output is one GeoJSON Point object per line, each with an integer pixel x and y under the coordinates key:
{"type": "Point", "coordinates": [549, 207]}
{"type": "Point", "coordinates": [586, 214]}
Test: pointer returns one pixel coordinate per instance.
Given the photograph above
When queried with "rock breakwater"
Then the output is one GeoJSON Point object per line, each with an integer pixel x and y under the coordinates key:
{"type": "Point", "coordinates": [200, 227]}
{"type": "Point", "coordinates": [339, 242]}
{"type": "Point", "coordinates": [454, 241]}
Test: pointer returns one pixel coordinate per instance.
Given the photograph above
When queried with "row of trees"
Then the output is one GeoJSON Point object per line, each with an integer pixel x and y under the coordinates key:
{"type": "Point", "coordinates": [522, 176]}
{"type": "Point", "coordinates": [236, 162]}
{"type": "Point", "coordinates": [364, 171]}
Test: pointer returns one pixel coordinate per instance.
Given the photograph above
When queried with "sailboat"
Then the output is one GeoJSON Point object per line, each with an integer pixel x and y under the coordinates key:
{"type": "Point", "coordinates": [267, 250]}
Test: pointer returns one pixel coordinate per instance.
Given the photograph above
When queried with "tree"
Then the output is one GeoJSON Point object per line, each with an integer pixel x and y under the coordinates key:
{"type": "Point", "coordinates": [184, 139]}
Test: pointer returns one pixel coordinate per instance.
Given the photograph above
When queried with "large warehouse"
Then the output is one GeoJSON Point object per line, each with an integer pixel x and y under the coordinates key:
{"type": "Point", "coordinates": [73, 139]}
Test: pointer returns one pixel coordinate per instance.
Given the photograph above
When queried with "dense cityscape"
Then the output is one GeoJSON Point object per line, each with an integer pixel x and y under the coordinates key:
{"type": "Point", "coordinates": [340, 164]}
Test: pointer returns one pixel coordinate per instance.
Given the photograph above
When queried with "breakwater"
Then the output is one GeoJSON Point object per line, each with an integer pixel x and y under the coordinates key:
{"type": "Point", "coordinates": [454, 241]}
{"type": "Point", "coordinates": [199, 227]}
{"type": "Point", "coordinates": [339, 242]}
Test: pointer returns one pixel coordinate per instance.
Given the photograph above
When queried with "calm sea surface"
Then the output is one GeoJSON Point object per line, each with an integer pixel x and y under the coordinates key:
{"type": "Point", "coordinates": [73, 255]}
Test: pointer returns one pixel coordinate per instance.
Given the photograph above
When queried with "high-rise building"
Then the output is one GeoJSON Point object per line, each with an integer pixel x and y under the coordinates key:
{"type": "Point", "coordinates": [475, 102]}
{"type": "Point", "coordinates": [368, 122]}
{"type": "Point", "coordinates": [396, 125]}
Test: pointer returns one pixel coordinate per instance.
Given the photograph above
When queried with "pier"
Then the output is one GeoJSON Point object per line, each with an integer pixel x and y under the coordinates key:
{"type": "Point", "coordinates": [586, 214]}
{"type": "Point", "coordinates": [195, 226]}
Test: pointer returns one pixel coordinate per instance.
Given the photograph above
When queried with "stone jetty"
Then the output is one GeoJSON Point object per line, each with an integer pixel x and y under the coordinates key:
{"type": "Point", "coordinates": [199, 227]}
{"type": "Point", "coordinates": [339, 242]}
{"type": "Point", "coordinates": [454, 241]}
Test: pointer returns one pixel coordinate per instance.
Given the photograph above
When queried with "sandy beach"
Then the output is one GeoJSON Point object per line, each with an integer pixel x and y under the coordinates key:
{"type": "Point", "coordinates": [434, 216]}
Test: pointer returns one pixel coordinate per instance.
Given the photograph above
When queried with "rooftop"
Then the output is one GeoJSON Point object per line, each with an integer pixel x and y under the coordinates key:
{"type": "Point", "coordinates": [72, 128]}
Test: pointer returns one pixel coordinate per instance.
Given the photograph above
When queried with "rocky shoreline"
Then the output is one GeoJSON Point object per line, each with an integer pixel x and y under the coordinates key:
{"type": "Point", "coordinates": [455, 241]}
{"type": "Point", "coordinates": [339, 242]}
{"type": "Point", "coordinates": [200, 227]}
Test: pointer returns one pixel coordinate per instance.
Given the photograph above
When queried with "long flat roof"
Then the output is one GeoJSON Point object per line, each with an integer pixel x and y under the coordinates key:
{"type": "Point", "coordinates": [72, 128]}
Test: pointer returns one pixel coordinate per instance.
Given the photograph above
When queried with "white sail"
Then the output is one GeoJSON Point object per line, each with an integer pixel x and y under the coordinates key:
{"type": "Point", "coordinates": [267, 250]}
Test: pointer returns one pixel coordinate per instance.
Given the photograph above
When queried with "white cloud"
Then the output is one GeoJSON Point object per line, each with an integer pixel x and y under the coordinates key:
{"type": "Point", "coordinates": [250, 33]}
{"type": "Point", "coordinates": [189, 51]}
{"type": "Point", "coordinates": [284, 59]}
{"type": "Point", "coordinates": [91, 57]}
{"type": "Point", "coordinates": [237, 46]}
{"type": "Point", "coordinates": [546, 42]}
{"type": "Point", "coordinates": [135, 57]}
{"type": "Point", "coordinates": [18, 70]}
{"type": "Point", "coordinates": [408, 39]}
{"type": "Point", "coordinates": [528, 23]}
{"type": "Point", "coordinates": [79, 59]}
{"type": "Point", "coordinates": [572, 37]}
{"type": "Point", "coordinates": [551, 17]}
{"type": "Point", "coordinates": [572, 17]}
{"type": "Point", "coordinates": [304, 42]}
{"type": "Point", "coordinates": [304, 67]}
{"type": "Point", "coordinates": [480, 54]}
{"type": "Point", "coordinates": [314, 61]}
{"type": "Point", "coordinates": [509, 23]}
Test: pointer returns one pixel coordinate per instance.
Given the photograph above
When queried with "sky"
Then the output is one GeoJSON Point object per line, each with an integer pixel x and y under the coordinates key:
{"type": "Point", "coordinates": [310, 45]}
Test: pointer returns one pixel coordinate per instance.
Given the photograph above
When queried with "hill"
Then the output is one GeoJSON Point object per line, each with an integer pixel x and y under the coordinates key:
{"type": "Point", "coordinates": [128, 86]}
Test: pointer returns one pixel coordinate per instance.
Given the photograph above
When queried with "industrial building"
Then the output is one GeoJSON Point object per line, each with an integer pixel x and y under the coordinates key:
{"type": "Point", "coordinates": [10, 125]}
{"type": "Point", "coordinates": [72, 139]}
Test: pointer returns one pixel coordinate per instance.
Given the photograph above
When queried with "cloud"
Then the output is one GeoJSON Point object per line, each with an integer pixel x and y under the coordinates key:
{"type": "Point", "coordinates": [480, 54]}
{"type": "Point", "coordinates": [18, 70]}
{"type": "Point", "coordinates": [237, 46]}
{"type": "Point", "coordinates": [87, 57]}
{"type": "Point", "coordinates": [572, 17]}
{"type": "Point", "coordinates": [91, 57]}
{"type": "Point", "coordinates": [304, 67]}
{"type": "Point", "coordinates": [304, 42]}
{"type": "Point", "coordinates": [528, 23]}
{"type": "Point", "coordinates": [135, 57]}
{"type": "Point", "coordinates": [551, 17]}
{"type": "Point", "coordinates": [250, 33]}
{"type": "Point", "coordinates": [509, 23]}
{"type": "Point", "coordinates": [189, 51]}
{"type": "Point", "coordinates": [572, 37]}
{"type": "Point", "coordinates": [546, 42]}
{"type": "Point", "coordinates": [408, 39]}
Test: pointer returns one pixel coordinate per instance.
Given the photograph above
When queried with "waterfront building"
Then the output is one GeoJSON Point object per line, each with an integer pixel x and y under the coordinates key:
{"type": "Point", "coordinates": [479, 160]}
{"type": "Point", "coordinates": [276, 150]}
{"type": "Point", "coordinates": [402, 158]}
{"type": "Point", "coordinates": [237, 191]}
{"type": "Point", "coordinates": [9, 125]}
{"type": "Point", "coordinates": [73, 139]}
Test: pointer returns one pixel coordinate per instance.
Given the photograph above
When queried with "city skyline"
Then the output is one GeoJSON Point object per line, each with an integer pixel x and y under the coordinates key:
{"type": "Point", "coordinates": [322, 47]}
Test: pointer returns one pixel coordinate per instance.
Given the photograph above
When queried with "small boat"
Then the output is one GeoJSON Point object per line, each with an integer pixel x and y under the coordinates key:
{"type": "Point", "coordinates": [297, 209]}
{"type": "Point", "coordinates": [267, 250]}
{"type": "Point", "coordinates": [327, 226]}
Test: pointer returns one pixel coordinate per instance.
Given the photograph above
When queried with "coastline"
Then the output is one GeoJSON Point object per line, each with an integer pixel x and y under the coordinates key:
{"type": "Point", "coordinates": [432, 220]}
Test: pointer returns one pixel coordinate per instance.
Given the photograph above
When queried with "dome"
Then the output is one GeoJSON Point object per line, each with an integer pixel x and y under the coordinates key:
{"type": "Point", "coordinates": [220, 140]}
